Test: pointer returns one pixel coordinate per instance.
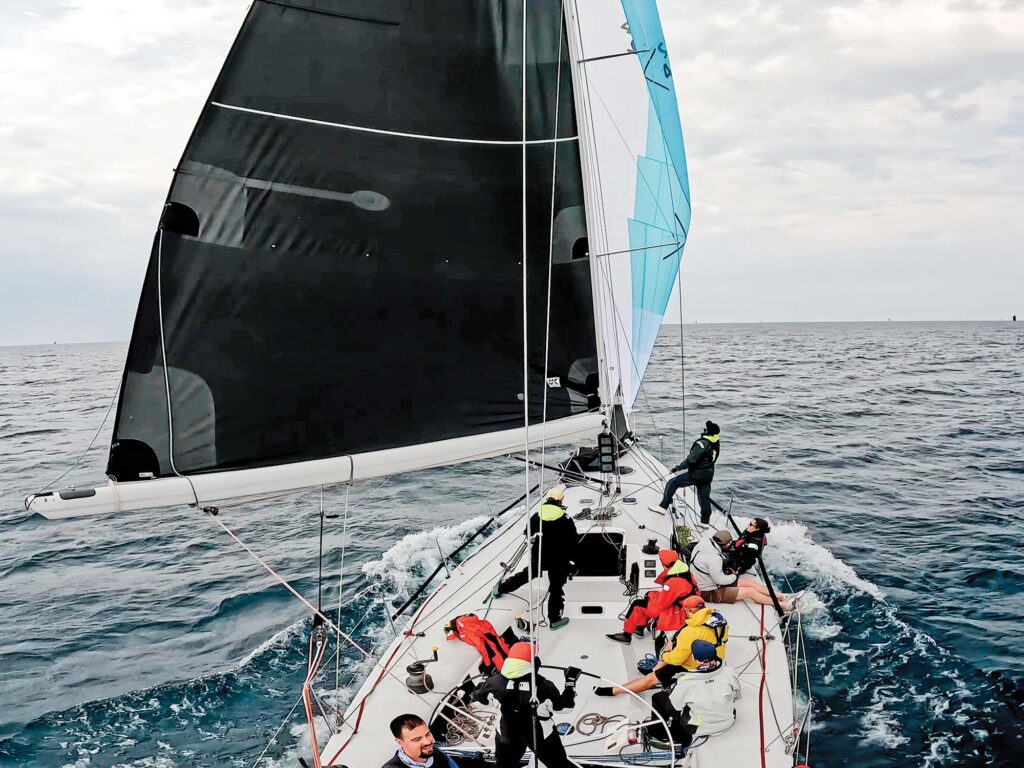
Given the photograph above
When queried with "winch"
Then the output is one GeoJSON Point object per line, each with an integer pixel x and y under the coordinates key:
{"type": "Point", "coordinates": [418, 680]}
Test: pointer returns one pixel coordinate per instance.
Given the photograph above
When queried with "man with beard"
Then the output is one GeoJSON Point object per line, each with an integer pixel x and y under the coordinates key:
{"type": "Point", "coordinates": [416, 745]}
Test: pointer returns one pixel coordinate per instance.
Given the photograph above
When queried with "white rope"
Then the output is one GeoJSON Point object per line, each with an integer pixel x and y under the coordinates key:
{"type": "Point", "coordinates": [385, 670]}
{"type": "Point", "coordinates": [88, 448]}
{"type": "Point", "coordinates": [278, 731]}
{"type": "Point", "coordinates": [163, 353]}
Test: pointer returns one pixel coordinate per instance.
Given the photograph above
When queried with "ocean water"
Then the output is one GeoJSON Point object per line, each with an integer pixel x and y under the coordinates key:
{"type": "Point", "coordinates": [889, 457]}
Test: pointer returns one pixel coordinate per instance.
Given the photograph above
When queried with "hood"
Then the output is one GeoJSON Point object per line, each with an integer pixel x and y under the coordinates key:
{"type": "Point", "coordinates": [549, 512]}
{"type": "Point", "coordinates": [515, 668]}
{"type": "Point", "coordinates": [699, 618]}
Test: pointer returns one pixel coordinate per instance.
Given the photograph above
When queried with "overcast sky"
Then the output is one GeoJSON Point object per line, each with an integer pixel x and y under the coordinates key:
{"type": "Point", "coordinates": [849, 160]}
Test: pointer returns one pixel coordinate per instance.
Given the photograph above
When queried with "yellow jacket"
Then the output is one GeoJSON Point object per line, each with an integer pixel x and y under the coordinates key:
{"type": "Point", "coordinates": [697, 629]}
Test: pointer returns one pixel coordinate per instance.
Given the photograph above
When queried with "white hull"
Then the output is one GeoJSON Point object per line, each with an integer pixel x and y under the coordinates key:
{"type": "Point", "coordinates": [593, 605]}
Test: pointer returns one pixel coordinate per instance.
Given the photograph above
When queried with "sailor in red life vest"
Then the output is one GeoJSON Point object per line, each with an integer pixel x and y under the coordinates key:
{"type": "Point", "coordinates": [664, 605]}
{"type": "Point", "coordinates": [481, 634]}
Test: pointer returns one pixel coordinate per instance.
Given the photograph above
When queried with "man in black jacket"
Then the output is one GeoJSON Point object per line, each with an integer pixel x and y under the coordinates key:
{"type": "Point", "coordinates": [698, 470]}
{"type": "Point", "coordinates": [416, 747]}
{"type": "Point", "coordinates": [523, 723]}
{"type": "Point", "coordinates": [555, 553]}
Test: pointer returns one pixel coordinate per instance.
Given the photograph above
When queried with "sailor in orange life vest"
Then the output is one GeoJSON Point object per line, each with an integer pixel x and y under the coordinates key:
{"type": "Point", "coordinates": [522, 724]}
{"type": "Point", "coordinates": [702, 623]}
{"type": "Point", "coordinates": [663, 605]}
{"type": "Point", "coordinates": [553, 552]}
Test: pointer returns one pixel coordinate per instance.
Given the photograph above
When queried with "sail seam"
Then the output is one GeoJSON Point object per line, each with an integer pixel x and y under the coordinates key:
{"type": "Point", "coordinates": [381, 131]}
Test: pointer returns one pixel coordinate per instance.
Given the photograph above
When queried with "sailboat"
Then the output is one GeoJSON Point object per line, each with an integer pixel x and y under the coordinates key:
{"type": "Point", "coordinates": [407, 235]}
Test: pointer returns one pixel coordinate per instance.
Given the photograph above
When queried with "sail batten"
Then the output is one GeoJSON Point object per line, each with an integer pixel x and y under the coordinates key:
{"type": "Point", "coordinates": [401, 134]}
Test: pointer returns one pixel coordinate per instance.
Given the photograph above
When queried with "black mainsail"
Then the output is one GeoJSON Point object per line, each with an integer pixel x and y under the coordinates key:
{"type": "Point", "coordinates": [338, 269]}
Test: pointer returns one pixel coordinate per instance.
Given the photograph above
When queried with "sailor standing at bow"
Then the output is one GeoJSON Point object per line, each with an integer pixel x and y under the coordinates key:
{"type": "Point", "coordinates": [698, 470]}
{"type": "Point", "coordinates": [556, 554]}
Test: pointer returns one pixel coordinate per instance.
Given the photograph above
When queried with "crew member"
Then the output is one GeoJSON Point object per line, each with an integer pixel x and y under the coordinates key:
{"type": "Point", "coordinates": [416, 747]}
{"type": "Point", "coordinates": [554, 551]}
{"type": "Point", "coordinates": [698, 469]}
{"type": "Point", "coordinates": [702, 623]}
{"type": "Point", "coordinates": [525, 723]}
{"type": "Point", "coordinates": [702, 700]}
{"type": "Point", "coordinates": [664, 605]}
{"type": "Point", "coordinates": [717, 583]}
{"type": "Point", "coordinates": [744, 552]}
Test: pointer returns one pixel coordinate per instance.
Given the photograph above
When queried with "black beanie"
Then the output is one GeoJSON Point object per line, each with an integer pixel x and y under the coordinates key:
{"type": "Point", "coordinates": [711, 428]}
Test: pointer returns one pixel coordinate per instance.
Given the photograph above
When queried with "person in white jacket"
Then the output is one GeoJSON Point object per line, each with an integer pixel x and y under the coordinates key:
{"type": "Point", "coordinates": [704, 699]}
{"type": "Point", "coordinates": [716, 584]}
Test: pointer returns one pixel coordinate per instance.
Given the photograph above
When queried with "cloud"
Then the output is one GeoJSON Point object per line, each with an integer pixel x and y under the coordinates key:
{"type": "Point", "coordinates": [830, 145]}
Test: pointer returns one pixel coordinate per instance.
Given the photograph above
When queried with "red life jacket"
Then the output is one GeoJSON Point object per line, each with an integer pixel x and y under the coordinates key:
{"type": "Point", "coordinates": [481, 634]}
{"type": "Point", "coordinates": [667, 603]}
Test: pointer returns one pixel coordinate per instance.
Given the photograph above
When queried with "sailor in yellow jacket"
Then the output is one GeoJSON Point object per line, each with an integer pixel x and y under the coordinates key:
{"type": "Point", "coordinates": [702, 623]}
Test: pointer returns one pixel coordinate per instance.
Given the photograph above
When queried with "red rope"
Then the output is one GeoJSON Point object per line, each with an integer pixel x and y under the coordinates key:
{"type": "Point", "coordinates": [307, 695]}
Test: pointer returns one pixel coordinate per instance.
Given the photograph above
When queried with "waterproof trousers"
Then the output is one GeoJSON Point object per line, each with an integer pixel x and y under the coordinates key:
{"type": "Point", "coordinates": [509, 750]}
{"type": "Point", "coordinates": [638, 616]}
{"type": "Point", "coordinates": [556, 588]}
{"type": "Point", "coordinates": [683, 480]}
{"type": "Point", "coordinates": [680, 735]}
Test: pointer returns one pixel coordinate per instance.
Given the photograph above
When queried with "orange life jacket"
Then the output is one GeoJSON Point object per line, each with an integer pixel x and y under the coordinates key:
{"type": "Point", "coordinates": [481, 634]}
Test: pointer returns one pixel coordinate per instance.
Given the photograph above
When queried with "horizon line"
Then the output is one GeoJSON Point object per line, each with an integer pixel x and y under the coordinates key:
{"type": "Point", "coordinates": [688, 324]}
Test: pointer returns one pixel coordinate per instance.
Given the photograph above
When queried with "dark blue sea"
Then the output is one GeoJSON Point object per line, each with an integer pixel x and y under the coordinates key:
{"type": "Point", "coordinates": [889, 456]}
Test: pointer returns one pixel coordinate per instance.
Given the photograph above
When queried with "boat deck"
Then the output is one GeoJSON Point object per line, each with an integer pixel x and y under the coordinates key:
{"type": "Point", "coordinates": [593, 605]}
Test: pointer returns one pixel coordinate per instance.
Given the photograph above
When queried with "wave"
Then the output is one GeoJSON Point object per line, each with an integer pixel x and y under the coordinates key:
{"type": "Point", "coordinates": [888, 672]}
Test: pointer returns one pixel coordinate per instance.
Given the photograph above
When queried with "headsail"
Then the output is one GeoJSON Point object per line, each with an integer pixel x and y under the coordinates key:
{"type": "Point", "coordinates": [338, 268]}
{"type": "Point", "coordinates": [638, 193]}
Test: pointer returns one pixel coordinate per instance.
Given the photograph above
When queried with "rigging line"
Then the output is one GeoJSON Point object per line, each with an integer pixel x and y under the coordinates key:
{"type": "Point", "coordinates": [590, 162]}
{"type": "Point", "coordinates": [163, 353]}
{"type": "Point", "coordinates": [88, 448]}
{"type": "Point", "coordinates": [682, 348]}
{"type": "Point", "coordinates": [612, 56]}
{"type": "Point", "coordinates": [641, 248]}
{"type": "Point", "coordinates": [339, 632]}
{"type": "Point", "coordinates": [341, 589]}
{"type": "Point", "coordinates": [320, 558]}
{"type": "Point", "coordinates": [640, 174]}
{"type": "Point", "coordinates": [636, 368]}
{"type": "Point", "coordinates": [380, 131]}
{"type": "Point", "coordinates": [526, 382]}
{"type": "Point", "coordinates": [280, 728]}
{"type": "Point", "coordinates": [551, 252]}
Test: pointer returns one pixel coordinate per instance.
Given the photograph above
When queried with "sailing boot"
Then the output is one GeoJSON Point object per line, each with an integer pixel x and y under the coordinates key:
{"type": "Point", "coordinates": [621, 637]}
{"type": "Point", "coordinates": [658, 508]}
{"type": "Point", "coordinates": [558, 623]}
{"type": "Point", "coordinates": [496, 592]}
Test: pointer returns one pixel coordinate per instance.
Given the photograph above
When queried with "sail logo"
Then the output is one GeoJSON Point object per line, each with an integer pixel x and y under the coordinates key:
{"type": "Point", "coordinates": [554, 382]}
